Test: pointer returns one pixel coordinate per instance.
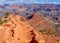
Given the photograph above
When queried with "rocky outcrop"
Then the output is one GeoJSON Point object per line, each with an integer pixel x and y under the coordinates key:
{"type": "Point", "coordinates": [39, 23]}
{"type": "Point", "coordinates": [18, 30]}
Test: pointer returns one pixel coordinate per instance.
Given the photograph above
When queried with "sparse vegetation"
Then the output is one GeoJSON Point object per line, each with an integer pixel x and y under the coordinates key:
{"type": "Point", "coordinates": [48, 32]}
{"type": "Point", "coordinates": [7, 13]}
{"type": "Point", "coordinates": [42, 31]}
{"type": "Point", "coordinates": [2, 21]}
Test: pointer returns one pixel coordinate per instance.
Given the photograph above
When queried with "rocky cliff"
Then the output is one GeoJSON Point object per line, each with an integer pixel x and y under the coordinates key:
{"type": "Point", "coordinates": [18, 30]}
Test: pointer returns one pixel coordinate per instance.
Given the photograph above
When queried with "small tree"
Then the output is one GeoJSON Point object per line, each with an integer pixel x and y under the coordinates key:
{"type": "Point", "coordinates": [7, 13]}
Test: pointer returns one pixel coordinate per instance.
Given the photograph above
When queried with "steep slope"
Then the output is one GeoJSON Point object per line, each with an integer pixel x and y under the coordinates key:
{"type": "Point", "coordinates": [18, 30]}
{"type": "Point", "coordinates": [39, 23]}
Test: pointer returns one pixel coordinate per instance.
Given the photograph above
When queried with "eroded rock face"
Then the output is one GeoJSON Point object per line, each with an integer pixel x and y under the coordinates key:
{"type": "Point", "coordinates": [18, 30]}
{"type": "Point", "coordinates": [39, 23]}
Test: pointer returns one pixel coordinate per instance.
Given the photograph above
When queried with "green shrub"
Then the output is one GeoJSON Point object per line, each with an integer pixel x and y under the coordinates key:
{"type": "Point", "coordinates": [2, 21]}
{"type": "Point", "coordinates": [48, 32]}
{"type": "Point", "coordinates": [7, 13]}
{"type": "Point", "coordinates": [42, 31]}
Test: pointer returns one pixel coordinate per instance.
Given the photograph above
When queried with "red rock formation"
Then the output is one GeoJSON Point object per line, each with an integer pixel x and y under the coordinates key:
{"type": "Point", "coordinates": [38, 22]}
{"type": "Point", "coordinates": [18, 30]}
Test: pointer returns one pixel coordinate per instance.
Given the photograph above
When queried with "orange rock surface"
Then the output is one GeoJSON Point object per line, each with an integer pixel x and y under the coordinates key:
{"type": "Point", "coordinates": [18, 30]}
